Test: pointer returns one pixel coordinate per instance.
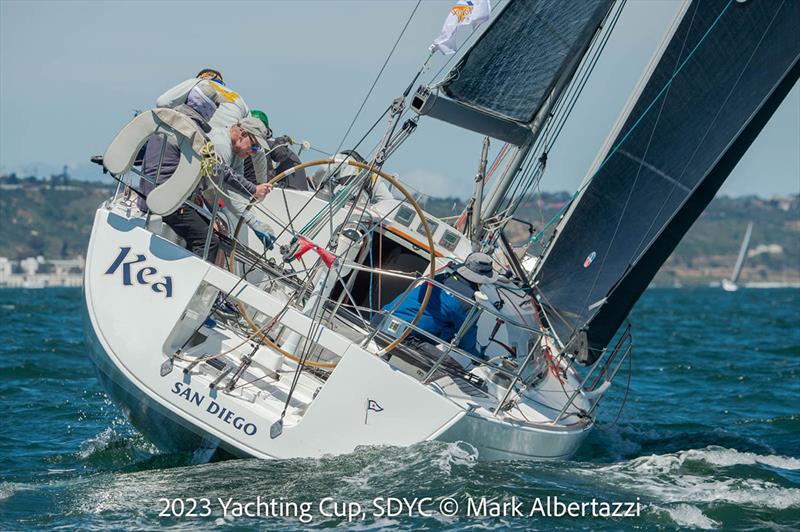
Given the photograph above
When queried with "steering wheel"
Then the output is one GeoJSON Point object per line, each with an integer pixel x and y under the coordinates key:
{"type": "Point", "coordinates": [431, 250]}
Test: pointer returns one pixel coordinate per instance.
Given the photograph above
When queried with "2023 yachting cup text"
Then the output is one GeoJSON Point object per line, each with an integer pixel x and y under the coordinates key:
{"type": "Point", "coordinates": [329, 507]}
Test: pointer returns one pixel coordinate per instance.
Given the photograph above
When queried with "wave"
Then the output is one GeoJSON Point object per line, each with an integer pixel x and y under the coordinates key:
{"type": "Point", "coordinates": [7, 489]}
{"type": "Point", "coordinates": [688, 516]}
{"type": "Point", "coordinates": [623, 442]}
{"type": "Point", "coordinates": [28, 370]}
{"type": "Point", "coordinates": [120, 447]}
{"type": "Point", "coordinates": [730, 457]}
{"type": "Point", "coordinates": [682, 478]}
{"type": "Point", "coordinates": [719, 456]}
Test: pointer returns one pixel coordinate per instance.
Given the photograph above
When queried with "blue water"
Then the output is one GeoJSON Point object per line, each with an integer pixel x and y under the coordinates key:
{"type": "Point", "coordinates": [709, 437]}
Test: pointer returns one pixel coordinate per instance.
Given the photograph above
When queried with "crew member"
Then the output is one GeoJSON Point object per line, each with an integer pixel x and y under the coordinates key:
{"type": "Point", "coordinates": [263, 166]}
{"type": "Point", "coordinates": [234, 145]}
{"type": "Point", "coordinates": [187, 221]}
{"type": "Point", "coordinates": [231, 107]}
{"type": "Point", "coordinates": [445, 313]}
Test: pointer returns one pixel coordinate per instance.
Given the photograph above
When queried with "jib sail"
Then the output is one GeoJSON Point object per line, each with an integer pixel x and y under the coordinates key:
{"type": "Point", "coordinates": [710, 89]}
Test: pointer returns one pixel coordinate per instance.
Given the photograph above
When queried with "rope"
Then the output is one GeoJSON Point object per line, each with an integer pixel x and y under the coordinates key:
{"type": "Point", "coordinates": [317, 323]}
{"type": "Point", "coordinates": [380, 72]}
{"type": "Point", "coordinates": [624, 398]}
{"type": "Point", "coordinates": [210, 160]}
{"type": "Point", "coordinates": [264, 254]}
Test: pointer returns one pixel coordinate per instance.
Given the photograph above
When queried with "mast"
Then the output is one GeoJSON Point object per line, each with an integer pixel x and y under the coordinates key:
{"type": "Point", "coordinates": [500, 187]}
{"type": "Point", "coordinates": [737, 270]}
{"type": "Point", "coordinates": [475, 218]}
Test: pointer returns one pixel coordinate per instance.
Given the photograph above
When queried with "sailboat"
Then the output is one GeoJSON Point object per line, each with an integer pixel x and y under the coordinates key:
{"type": "Point", "coordinates": [730, 285]}
{"type": "Point", "coordinates": [295, 351]}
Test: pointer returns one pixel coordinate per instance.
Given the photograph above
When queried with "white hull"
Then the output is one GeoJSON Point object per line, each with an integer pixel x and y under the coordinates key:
{"type": "Point", "coordinates": [131, 330]}
{"type": "Point", "coordinates": [729, 286]}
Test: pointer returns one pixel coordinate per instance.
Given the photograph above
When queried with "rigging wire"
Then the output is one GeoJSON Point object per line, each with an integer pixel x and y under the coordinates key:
{"type": "Point", "coordinates": [561, 113]}
{"type": "Point", "coordinates": [699, 143]}
{"type": "Point", "coordinates": [323, 152]}
{"type": "Point", "coordinates": [438, 72]}
{"type": "Point", "coordinates": [316, 316]}
{"type": "Point", "coordinates": [624, 397]}
{"type": "Point", "coordinates": [263, 256]}
{"type": "Point", "coordinates": [380, 72]}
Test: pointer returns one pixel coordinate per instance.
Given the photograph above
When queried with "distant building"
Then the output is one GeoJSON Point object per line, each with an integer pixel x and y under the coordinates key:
{"type": "Point", "coordinates": [765, 249]}
{"type": "Point", "coordinates": [5, 270]}
{"type": "Point", "coordinates": [29, 272]}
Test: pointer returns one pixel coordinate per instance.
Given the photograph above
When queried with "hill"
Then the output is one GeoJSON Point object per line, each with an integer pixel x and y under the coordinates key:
{"type": "Point", "coordinates": [52, 217]}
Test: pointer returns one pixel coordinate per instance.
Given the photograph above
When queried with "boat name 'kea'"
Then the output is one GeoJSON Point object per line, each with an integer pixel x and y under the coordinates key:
{"type": "Point", "coordinates": [144, 271]}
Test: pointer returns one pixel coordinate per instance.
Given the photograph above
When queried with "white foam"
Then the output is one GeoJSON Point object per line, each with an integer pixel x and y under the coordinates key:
{"type": "Point", "coordinates": [393, 462]}
{"type": "Point", "coordinates": [461, 453]}
{"type": "Point", "coordinates": [720, 456]}
{"type": "Point", "coordinates": [730, 457]}
{"type": "Point", "coordinates": [664, 478]}
{"type": "Point", "coordinates": [690, 516]}
{"type": "Point", "coordinates": [97, 443]}
{"type": "Point", "coordinates": [7, 489]}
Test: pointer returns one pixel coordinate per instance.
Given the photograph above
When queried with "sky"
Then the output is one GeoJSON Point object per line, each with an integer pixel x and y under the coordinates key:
{"type": "Point", "coordinates": [73, 73]}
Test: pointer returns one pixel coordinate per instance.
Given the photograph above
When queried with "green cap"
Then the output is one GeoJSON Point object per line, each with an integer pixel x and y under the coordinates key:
{"type": "Point", "coordinates": [255, 113]}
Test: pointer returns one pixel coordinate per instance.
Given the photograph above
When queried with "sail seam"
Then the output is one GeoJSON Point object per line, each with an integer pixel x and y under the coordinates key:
{"type": "Point", "coordinates": [655, 170]}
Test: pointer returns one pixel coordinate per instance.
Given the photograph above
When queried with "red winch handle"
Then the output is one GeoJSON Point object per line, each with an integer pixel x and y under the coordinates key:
{"type": "Point", "coordinates": [304, 245]}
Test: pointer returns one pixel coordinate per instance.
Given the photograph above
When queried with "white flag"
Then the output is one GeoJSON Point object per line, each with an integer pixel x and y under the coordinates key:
{"type": "Point", "coordinates": [465, 12]}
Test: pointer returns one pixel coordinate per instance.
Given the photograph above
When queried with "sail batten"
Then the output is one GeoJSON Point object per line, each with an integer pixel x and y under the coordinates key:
{"type": "Point", "coordinates": [717, 80]}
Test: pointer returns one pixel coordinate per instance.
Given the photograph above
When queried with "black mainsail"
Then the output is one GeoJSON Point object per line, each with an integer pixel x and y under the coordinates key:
{"type": "Point", "coordinates": [518, 60]}
{"type": "Point", "coordinates": [527, 54]}
{"type": "Point", "coordinates": [711, 88]}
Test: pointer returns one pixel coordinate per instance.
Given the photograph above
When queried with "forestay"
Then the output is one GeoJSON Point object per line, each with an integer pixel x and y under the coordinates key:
{"type": "Point", "coordinates": [711, 90]}
{"type": "Point", "coordinates": [517, 61]}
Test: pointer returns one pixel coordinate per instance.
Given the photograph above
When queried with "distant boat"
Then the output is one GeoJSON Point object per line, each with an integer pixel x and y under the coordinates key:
{"type": "Point", "coordinates": [729, 285]}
